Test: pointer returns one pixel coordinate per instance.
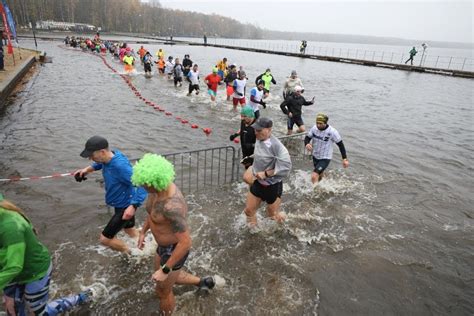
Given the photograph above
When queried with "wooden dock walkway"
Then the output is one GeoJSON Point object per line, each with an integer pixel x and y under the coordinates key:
{"type": "Point", "coordinates": [438, 71]}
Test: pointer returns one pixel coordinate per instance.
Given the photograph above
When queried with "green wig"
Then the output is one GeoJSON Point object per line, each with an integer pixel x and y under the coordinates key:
{"type": "Point", "coordinates": [154, 171]}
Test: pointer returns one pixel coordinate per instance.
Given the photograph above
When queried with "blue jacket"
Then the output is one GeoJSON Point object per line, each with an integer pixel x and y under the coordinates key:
{"type": "Point", "coordinates": [119, 191]}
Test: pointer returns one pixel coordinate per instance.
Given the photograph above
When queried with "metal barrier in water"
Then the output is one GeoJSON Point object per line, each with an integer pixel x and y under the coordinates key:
{"type": "Point", "coordinates": [214, 167]}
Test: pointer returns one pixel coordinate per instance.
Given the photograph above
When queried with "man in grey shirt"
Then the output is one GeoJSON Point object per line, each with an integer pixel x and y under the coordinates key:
{"type": "Point", "coordinates": [271, 164]}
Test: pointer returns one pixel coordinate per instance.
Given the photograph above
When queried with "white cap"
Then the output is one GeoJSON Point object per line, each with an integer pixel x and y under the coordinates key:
{"type": "Point", "coordinates": [298, 88]}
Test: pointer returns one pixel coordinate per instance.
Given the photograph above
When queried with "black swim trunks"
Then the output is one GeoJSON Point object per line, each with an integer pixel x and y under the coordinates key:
{"type": "Point", "coordinates": [116, 223]}
{"type": "Point", "coordinates": [320, 165]}
{"type": "Point", "coordinates": [165, 253]}
{"type": "Point", "coordinates": [268, 193]}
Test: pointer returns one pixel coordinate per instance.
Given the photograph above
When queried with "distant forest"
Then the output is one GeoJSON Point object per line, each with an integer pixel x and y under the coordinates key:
{"type": "Point", "coordinates": [131, 16]}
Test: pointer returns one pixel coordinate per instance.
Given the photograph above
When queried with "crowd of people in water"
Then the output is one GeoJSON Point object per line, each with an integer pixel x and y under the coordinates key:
{"type": "Point", "coordinates": [26, 264]}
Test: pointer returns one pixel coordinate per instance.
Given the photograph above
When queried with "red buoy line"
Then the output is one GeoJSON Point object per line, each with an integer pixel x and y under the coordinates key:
{"type": "Point", "coordinates": [53, 176]}
{"type": "Point", "coordinates": [207, 130]}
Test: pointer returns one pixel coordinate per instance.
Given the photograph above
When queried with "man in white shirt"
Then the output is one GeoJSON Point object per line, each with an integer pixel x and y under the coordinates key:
{"type": "Point", "coordinates": [256, 96]}
{"type": "Point", "coordinates": [239, 90]}
{"type": "Point", "coordinates": [319, 141]}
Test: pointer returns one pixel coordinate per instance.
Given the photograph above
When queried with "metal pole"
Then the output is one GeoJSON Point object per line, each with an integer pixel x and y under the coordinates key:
{"type": "Point", "coordinates": [391, 58]}
{"type": "Point", "coordinates": [364, 54]}
{"type": "Point", "coordinates": [373, 56]}
{"type": "Point", "coordinates": [340, 52]}
{"type": "Point", "coordinates": [464, 62]}
{"type": "Point", "coordinates": [436, 61]}
{"type": "Point", "coordinates": [450, 60]}
{"type": "Point", "coordinates": [383, 53]}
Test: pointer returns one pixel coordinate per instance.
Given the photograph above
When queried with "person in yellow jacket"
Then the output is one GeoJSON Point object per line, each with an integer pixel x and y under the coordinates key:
{"type": "Point", "coordinates": [160, 54]}
{"type": "Point", "coordinates": [129, 62]}
{"type": "Point", "coordinates": [222, 68]}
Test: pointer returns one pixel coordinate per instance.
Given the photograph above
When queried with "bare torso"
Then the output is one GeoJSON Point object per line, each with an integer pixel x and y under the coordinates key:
{"type": "Point", "coordinates": [167, 216]}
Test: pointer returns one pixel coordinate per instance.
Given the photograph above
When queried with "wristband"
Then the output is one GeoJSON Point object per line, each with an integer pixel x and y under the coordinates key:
{"type": "Point", "coordinates": [165, 269]}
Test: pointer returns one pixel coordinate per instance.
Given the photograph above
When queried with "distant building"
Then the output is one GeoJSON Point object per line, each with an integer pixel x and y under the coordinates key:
{"type": "Point", "coordinates": [64, 26]}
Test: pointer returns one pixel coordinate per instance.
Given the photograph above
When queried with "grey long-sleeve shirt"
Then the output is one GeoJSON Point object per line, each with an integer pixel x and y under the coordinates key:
{"type": "Point", "coordinates": [271, 154]}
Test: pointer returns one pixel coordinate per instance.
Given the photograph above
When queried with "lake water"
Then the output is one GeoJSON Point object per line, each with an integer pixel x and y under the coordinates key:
{"type": "Point", "coordinates": [390, 235]}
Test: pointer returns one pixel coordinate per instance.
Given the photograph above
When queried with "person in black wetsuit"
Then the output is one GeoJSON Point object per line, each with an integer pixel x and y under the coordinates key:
{"type": "Point", "coordinates": [187, 64]}
{"type": "Point", "coordinates": [247, 140]}
{"type": "Point", "coordinates": [292, 107]}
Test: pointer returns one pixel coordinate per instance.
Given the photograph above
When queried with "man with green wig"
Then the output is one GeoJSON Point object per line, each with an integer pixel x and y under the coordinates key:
{"type": "Point", "coordinates": [167, 211]}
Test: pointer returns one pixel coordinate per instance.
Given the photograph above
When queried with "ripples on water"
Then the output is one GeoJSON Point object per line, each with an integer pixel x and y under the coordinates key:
{"type": "Point", "coordinates": [393, 234]}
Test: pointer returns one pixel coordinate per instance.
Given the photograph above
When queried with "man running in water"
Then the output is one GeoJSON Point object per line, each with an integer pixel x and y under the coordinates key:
{"type": "Point", "coordinates": [187, 64]}
{"type": "Point", "coordinates": [247, 141]}
{"type": "Point", "coordinates": [319, 141]}
{"type": "Point", "coordinates": [119, 191]}
{"type": "Point", "coordinates": [147, 62]}
{"type": "Point", "coordinates": [291, 83]}
{"type": "Point", "coordinates": [271, 164]}
{"type": "Point", "coordinates": [193, 78]}
{"type": "Point", "coordinates": [212, 81]}
{"type": "Point", "coordinates": [256, 96]}
{"type": "Point", "coordinates": [267, 79]}
{"type": "Point", "coordinates": [222, 68]}
{"type": "Point", "coordinates": [178, 72]}
{"type": "Point", "coordinates": [292, 107]}
{"type": "Point", "coordinates": [167, 219]}
{"type": "Point", "coordinates": [129, 61]}
{"type": "Point", "coordinates": [239, 90]}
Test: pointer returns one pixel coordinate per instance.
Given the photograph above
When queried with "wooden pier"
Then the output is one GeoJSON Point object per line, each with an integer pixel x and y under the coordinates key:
{"type": "Point", "coordinates": [363, 62]}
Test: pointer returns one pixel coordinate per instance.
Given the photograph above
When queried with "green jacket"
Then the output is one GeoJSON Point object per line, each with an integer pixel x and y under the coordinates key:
{"type": "Point", "coordinates": [23, 258]}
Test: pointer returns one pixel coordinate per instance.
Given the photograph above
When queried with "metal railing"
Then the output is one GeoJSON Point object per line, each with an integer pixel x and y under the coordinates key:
{"type": "Point", "coordinates": [425, 60]}
{"type": "Point", "coordinates": [214, 167]}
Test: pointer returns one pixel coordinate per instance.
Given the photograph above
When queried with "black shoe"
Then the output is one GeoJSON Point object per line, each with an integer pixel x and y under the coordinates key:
{"type": "Point", "coordinates": [207, 283]}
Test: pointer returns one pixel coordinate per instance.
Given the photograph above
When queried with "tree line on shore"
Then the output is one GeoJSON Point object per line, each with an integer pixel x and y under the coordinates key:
{"type": "Point", "coordinates": [131, 16]}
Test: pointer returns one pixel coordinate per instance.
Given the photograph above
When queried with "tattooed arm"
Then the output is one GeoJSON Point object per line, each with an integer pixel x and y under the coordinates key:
{"type": "Point", "coordinates": [175, 212]}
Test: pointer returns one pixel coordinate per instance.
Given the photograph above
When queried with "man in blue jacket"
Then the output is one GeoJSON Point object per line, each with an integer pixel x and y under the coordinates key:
{"type": "Point", "coordinates": [119, 190]}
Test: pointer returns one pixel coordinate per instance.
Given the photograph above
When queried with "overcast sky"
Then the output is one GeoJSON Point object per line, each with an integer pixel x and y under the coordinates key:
{"type": "Point", "coordinates": [445, 20]}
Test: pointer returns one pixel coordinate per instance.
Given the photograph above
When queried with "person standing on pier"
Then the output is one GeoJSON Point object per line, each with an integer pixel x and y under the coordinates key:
{"type": "Point", "coordinates": [319, 141]}
{"type": "Point", "coordinates": [412, 54]}
{"type": "Point", "coordinates": [303, 47]}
